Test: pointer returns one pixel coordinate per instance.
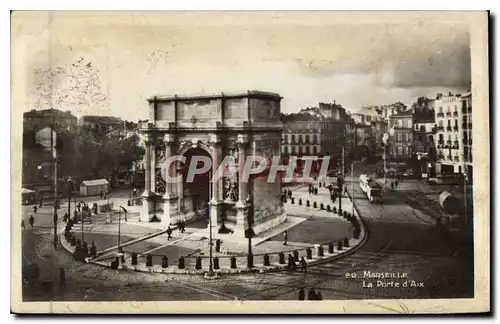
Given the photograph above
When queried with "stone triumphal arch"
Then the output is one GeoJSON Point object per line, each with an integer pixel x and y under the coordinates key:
{"type": "Point", "coordinates": [236, 125]}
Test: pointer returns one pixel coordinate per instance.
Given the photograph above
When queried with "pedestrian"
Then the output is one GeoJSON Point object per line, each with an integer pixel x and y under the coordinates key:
{"type": "Point", "coordinates": [316, 191]}
{"type": "Point", "coordinates": [183, 224]}
{"type": "Point", "coordinates": [65, 217]}
{"type": "Point", "coordinates": [392, 185]}
{"type": "Point", "coordinates": [285, 238]}
{"type": "Point", "coordinates": [169, 233]}
{"type": "Point", "coordinates": [303, 264]}
{"type": "Point", "coordinates": [319, 296]}
{"type": "Point", "coordinates": [289, 194]}
{"type": "Point", "coordinates": [35, 209]}
{"type": "Point", "coordinates": [291, 263]}
{"type": "Point", "coordinates": [135, 192]}
{"type": "Point", "coordinates": [41, 202]}
{"type": "Point", "coordinates": [345, 190]}
{"type": "Point", "coordinates": [62, 278]}
{"type": "Point", "coordinates": [311, 295]}
{"type": "Point", "coordinates": [301, 294]}
{"type": "Point", "coordinates": [22, 224]}
{"type": "Point", "coordinates": [32, 220]}
{"type": "Point", "coordinates": [396, 184]}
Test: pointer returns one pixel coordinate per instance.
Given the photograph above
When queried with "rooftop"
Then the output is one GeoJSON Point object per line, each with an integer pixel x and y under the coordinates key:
{"type": "Point", "coordinates": [249, 93]}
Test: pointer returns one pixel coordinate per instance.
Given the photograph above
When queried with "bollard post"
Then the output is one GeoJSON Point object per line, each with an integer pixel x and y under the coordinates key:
{"type": "Point", "coordinates": [308, 204]}
{"type": "Point", "coordinates": [346, 242]}
{"type": "Point", "coordinates": [198, 263]}
{"type": "Point", "coordinates": [321, 206]}
{"type": "Point", "coordinates": [321, 251]}
{"type": "Point", "coordinates": [309, 253]}
{"type": "Point", "coordinates": [120, 260]}
{"type": "Point", "coordinates": [330, 248]}
{"type": "Point", "coordinates": [293, 200]}
{"type": "Point", "coordinates": [181, 263]}
{"type": "Point", "coordinates": [340, 212]}
{"type": "Point", "coordinates": [300, 201]}
{"type": "Point", "coordinates": [296, 255]}
{"type": "Point", "coordinates": [216, 263]}
{"type": "Point", "coordinates": [164, 262]}
{"type": "Point", "coordinates": [281, 258]}
{"type": "Point", "coordinates": [266, 260]}
{"type": "Point", "coordinates": [149, 260]}
{"type": "Point", "coordinates": [233, 262]}
{"type": "Point", "coordinates": [334, 209]}
{"type": "Point", "coordinates": [328, 208]}
{"type": "Point", "coordinates": [357, 233]}
{"type": "Point", "coordinates": [315, 205]}
{"type": "Point", "coordinates": [339, 245]}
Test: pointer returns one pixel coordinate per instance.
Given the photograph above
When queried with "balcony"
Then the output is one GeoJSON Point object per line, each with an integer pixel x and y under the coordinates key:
{"type": "Point", "coordinates": [455, 114]}
{"type": "Point", "coordinates": [450, 157]}
{"type": "Point", "coordinates": [464, 126]}
{"type": "Point", "coordinates": [448, 114]}
{"type": "Point", "coordinates": [440, 114]}
{"type": "Point", "coordinates": [469, 109]}
{"type": "Point", "coordinates": [440, 128]}
{"type": "Point", "coordinates": [456, 158]}
{"type": "Point", "coordinates": [440, 142]}
{"type": "Point", "coordinates": [440, 157]}
{"type": "Point", "coordinates": [448, 128]}
{"type": "Point", "coordinates": [455, 128]}
{"type": "Point", "coordinates": [455, 143]}
{"type": "Point", "coordinates": [448, 142]}
{"type": "Point", "coordinates": [434, 130]}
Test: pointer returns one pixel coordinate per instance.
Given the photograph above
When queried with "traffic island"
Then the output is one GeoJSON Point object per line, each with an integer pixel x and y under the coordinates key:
{"type": "Point", "coordinates": [276, 258]}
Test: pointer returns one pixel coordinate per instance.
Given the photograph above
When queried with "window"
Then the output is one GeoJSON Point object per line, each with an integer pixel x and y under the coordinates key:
{"type": "Point", "coordinates": [293, 150]}
{"type": "Point", "coordinates": [307, 139]}
{"type": "Point", "coordinates": [315, 150]}
{"type": "Point", "coordinates": [400, 151]}
{"type": "Point", "coordinates": [399, 137]}
{"type": "Point", "coordinates": [456, 122]}
{"type": "Point", "coordinates": [422, 129]}
{"type": "Point", "coordinates": [285, 149]}
{"type": "Point", "coordinates": [440, 110]}
{"type": "Point", "coordinates": [449, 123]}
{"type": "Point", "coordinates": [300, 149]}
{"type": "Point", "coordinates": [293, 138]}
{"type": "Point", "coordinates": [440, 124]}
{"type": "Point", "coordinates": [308, 150]}
{"type": "Point", "coordinates": [300, 137]}
{"type": "Point", "coordinates": [419, 138]}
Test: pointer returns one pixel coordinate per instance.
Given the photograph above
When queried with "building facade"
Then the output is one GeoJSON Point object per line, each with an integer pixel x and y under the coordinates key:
{"type": "Point", "coordinates": [232, 126]}
{"type": "Point", "coordinates": [450, 129]}
{"type": "Point", "coordinates": [401, 142]}
{"type": "Point", "coordinates": [303, 134]}
{"type": "Point", "coordinates": [467, 133]}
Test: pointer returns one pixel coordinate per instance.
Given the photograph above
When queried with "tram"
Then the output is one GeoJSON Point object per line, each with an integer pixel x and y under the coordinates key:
{"type": "Point", "coordinates": [371, 188]}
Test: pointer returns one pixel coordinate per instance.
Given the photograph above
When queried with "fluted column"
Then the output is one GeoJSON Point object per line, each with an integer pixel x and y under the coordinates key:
{"type": "Point", "coordinates": [215, 201]}
{"type": "Point", "coordinates": [170, 200]}
{"type": "Point", "coordinates": [153, 165]}
{"type": "Point", "coordinates": [147, 167]}
{"type": "Point", "coordinates": [242, 185]}
{"type": "Point", "coordinates": [171, 172]}
{"type": "Point", "coordinates": [241, 205]}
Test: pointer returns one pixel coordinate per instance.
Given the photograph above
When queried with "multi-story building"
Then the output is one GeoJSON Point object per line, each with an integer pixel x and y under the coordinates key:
{"type": "Point", "coordinates": [401, 142]}
{"type": "Point", "coordinates": [424, 133]}
{"type": "Point", "coordinates": [37, 119]}
{"type": "Point", "coordinates": [365, 139]}
{"type": "Point", "coordinates": [37, 161]}
{"type": "Point", "coordinates": [350, 129]}
{"type": "Point", "coordinates": [467, 133]}
{"type": "Point", "coordinates": [303, 134]}
{"type": "Point", "coordinates": [450, 149]}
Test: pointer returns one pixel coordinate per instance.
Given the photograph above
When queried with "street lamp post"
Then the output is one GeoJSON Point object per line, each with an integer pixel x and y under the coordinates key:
{"type": "Point", "coordinates": [249, 233]}
{"type": "Point", "coordinates": [70, 190]}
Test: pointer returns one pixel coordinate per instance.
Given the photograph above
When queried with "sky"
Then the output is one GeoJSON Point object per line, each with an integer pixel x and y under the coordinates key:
{"type": "Point", "coordinates": [306, 58]}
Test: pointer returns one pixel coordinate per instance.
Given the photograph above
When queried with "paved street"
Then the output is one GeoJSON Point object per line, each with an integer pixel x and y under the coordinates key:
{"type": "Point", "coordinates": [402, 239]}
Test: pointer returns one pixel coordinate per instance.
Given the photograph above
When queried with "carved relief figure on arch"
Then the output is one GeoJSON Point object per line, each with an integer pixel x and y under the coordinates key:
{"type": "Point", "coordinates": [216, 135]}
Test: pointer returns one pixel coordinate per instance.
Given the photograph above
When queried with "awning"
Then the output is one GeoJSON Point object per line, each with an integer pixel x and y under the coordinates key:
{"type": "Point", "coordinates": [26, 191]}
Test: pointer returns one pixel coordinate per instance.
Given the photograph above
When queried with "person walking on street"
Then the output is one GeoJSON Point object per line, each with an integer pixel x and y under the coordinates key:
{"type": "Point", "coordinates": [183, 224]}
{"type": "Point", "coordinates": [23, 226]}
{"type": "Point", "coordinates": [303, 264]}
{"type": "Point", "coordinates": [311, 295]}
{"type": "Point", "coordinates": [41, 202]}
{"type": "Point", "coordinates": [32, 220]}
{"type": "Point", "coordinates": [35, 209]}
{"type": "Point", "coordinates": [285, 238]}
{"type": "Point", "coordinates": [169, 233]}
{"type": "Point", "coordinates": [301, 294]}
